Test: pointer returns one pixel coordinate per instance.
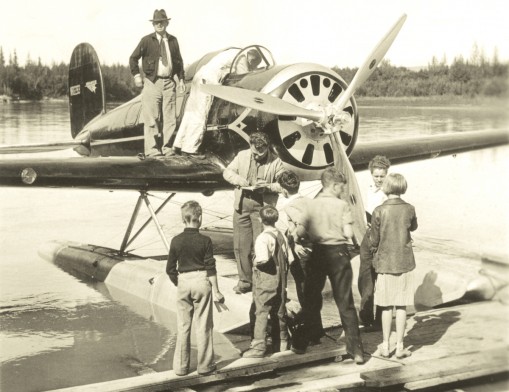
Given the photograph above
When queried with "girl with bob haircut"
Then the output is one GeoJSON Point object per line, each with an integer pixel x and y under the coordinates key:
{"type": "Point", "coordinates": [394, 184]}
{"type": "Point", "coordinates": [391, 242]}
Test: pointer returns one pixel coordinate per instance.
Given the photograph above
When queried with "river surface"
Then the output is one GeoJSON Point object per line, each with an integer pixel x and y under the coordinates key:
{"type": "Point", "coordinates": [57, 331]}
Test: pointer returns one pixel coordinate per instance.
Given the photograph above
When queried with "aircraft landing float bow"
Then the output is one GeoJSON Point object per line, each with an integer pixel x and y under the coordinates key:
{"type": "Point", "coordinates": [305, 109]}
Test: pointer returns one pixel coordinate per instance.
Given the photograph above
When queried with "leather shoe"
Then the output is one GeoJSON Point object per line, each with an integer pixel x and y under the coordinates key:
{"type": "Point", "coordinates": [241, 290]}
{"type": "Point", "coordinates": [253, 353]}
{"type": "Point", "coordinates": [298, 350]}
{"type": "Point", "coordinates": [384, 351]}
{"type": "Point", "coordinates": [193, 154]}
{"type": "Point", "coordinates": [169, 152]}
{"type": "Point", "coordinates": [402, 353]}
{"type": "Point", "coordinates": [212, 370]}
{"type": "Point", "coordinates": [358, 359]}
{"type": "Point", "coordinates": [154, 152]}
{"type": "Point", "coordinates": [315, 342]}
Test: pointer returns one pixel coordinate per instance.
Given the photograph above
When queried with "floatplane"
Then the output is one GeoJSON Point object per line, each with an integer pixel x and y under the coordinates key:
{"type": "Point", "coordinates": [308, 111]}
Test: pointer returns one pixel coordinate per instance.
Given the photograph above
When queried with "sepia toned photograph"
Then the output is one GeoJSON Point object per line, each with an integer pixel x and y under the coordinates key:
{"type": "Point", "coordinates": [226, 196]}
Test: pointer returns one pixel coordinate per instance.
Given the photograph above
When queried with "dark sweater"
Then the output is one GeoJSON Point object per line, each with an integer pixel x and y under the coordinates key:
{"type": "Point", "coordinates": [190, 251]}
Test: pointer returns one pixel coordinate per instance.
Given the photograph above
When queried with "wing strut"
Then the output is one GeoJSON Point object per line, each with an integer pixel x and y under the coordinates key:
{"type": "Point", "coordinates": [153, 216]}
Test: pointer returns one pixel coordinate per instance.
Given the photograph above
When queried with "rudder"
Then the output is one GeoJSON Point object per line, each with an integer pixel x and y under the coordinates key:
{"type": "Point", "coordinates": [86, 87]}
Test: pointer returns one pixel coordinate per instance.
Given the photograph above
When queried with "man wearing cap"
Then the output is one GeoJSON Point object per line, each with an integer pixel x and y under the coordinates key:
{"type": "Point", "coordinates": [254, 173]}
{"type": "Point", "coordinates": [163, 68]}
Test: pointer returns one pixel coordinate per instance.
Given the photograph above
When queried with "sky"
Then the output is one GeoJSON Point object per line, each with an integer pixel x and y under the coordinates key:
{"type": "Point", "coordinates": [328, 32]}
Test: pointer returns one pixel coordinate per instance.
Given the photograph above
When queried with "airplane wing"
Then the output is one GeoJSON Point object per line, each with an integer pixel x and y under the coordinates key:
{"type": "Point", "coordinates": [426, 147]}
{"type": "Point", "coordinates": [184, 174]}
{"type": "Point", "coordinates": [191, 174]}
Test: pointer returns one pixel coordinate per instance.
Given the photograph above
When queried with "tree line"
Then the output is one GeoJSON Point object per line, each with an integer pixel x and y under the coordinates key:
{"type": "Point", "coordinates": [476, 76]}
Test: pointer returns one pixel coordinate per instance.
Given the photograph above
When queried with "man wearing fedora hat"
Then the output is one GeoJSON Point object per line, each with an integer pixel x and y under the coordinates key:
{"type": "Point", "coordinates": [163, 68]}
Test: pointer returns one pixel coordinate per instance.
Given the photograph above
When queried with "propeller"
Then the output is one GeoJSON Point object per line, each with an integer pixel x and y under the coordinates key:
{"type": "Point", "coordinates": [369, 65]}
{"type": "Point", "coordinates": [330, 119]}
{"type": "Point", "coordinates": [260, 101]}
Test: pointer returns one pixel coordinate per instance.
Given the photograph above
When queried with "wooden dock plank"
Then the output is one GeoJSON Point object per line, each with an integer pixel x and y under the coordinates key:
{"type": "Point", "coordinates": [432, 382]}
{"type": "Point", "coordinates": [239, 368]}
{"type": "Point", "coordinates": [477, 330]}
{"type": "Point", "coordinates": [438, 368]}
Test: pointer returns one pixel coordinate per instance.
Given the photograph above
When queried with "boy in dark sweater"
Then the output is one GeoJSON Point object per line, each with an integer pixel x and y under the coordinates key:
{"type": "Point", "coordinates": [192, 268]}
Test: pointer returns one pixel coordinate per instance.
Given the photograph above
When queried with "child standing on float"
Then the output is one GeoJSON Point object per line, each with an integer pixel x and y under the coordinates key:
{"type": "Point", "coordinates": [390, 238]}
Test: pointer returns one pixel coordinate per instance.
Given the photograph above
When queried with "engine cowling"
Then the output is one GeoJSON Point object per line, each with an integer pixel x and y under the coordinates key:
{"type": "Point", "coordinates": [303, 143]}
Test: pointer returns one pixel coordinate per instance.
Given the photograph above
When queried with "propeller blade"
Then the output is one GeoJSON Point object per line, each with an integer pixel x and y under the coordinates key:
{"type": "Point", "coordinates": [32, 148]}
{"type": "Point", "coordinates": [260, 101]}
{"type": "Point", "coordinates": [370, 63]}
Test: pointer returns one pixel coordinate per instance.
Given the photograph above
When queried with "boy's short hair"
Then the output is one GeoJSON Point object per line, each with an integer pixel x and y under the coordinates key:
{"type": "Point", "coordinates": [379, 162]}
{"type": "Point", "coordinates": [331, 175]}
{"type": "Point", "coordinates": [259, 140]}
{"type": "Point", "coordinates": [289, 181]}
{"type": "Point", "coordinates": [394, 184]}
{"type": "Point", "coordinates": [191, 211]}
{"type": "Point", "coordinates": [269, 215]}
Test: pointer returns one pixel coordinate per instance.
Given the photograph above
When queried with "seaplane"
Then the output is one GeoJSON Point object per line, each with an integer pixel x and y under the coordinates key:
{"type": "Point", "coordinates": [308, 111]}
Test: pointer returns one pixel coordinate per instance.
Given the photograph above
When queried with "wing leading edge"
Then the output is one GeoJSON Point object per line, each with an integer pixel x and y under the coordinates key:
{"type": "Point", "coordinates": [179, 174]}
{"type": "Point", "coordinates": [188, 174]}
{"type": "Point", "coordinates": [426, 147]}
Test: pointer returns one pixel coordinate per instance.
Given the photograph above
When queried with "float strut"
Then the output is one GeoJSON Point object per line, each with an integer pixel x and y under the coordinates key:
{"type": "Point", "coordinates": [153, 216]}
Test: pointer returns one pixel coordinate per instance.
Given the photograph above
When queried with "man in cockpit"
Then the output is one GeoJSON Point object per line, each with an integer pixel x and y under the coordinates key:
{"type": "Point", "coordinates": [190, 133]}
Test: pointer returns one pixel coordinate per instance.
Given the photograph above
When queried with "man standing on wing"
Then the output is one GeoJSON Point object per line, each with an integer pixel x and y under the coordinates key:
{"type": "Point", "coordinates": [163, 68]}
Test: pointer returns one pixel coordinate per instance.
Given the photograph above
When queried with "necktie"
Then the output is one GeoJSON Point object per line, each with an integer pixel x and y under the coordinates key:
{"type": "Point", "coordinates": [164, 56]}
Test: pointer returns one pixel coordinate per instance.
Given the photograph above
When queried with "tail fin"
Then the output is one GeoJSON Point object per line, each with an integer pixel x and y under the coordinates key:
{"type": "Point", "coordinates": [86, 87]}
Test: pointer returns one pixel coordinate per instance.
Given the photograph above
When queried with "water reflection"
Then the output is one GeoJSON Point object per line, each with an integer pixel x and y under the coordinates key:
{"type": "Point", "coordinates": [411, 121]}
{"type": "Point", "coordinates": [34, 122]}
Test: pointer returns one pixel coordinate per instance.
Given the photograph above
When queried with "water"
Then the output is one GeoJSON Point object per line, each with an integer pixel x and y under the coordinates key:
{"type": "Point", "coordinates": [56, 331]}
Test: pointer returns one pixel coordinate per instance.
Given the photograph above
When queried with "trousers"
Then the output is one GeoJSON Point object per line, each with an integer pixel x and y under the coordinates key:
{"type": "Point", "coordinates": [269, 297]}
{"type": "Point", "coordinates": [366, 283]}
{"type": "Point", "coordinates": [332, 261]}
{"type": "Point", "coordinates": [194, 299]}
{"type": "Point", "coordinates": [158, 101]}
{"type": "Point", "coordinates": [298, 271]}
{"type": "Point", "coordinates": [246, 227]}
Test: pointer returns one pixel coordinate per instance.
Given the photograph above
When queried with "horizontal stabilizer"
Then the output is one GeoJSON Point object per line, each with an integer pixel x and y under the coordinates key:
{"type": "Point", "coordinates": [43, 147]}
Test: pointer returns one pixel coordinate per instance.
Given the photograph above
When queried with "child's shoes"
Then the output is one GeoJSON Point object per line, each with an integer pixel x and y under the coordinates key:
{"type": "Point", "coordinates": [253, 353]}
{"type": "Point", "coordinates": [402, 353]}
{"type": "Point", "coordinates": [384, 350]}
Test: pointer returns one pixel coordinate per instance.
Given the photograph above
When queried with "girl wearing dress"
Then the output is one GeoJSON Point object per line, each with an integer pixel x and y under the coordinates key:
{"type": "Point", "coordinates": [390, 239]}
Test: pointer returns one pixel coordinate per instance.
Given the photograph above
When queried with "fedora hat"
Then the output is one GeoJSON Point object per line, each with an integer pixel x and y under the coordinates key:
{"type": "Point", "coordinates": [159, 16]}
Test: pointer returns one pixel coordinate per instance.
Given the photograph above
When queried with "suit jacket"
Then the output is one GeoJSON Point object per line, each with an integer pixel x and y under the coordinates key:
{"type": "Point", "coordinates": [391, 225]}
{"type": "Point", "coordinates": [149, 51]}
{"type": "Point", "coordinates": [238, 169]}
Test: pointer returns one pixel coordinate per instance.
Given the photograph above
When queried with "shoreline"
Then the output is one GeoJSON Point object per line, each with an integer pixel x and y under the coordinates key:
{"type": "Point", "coordinates": [435, 100]}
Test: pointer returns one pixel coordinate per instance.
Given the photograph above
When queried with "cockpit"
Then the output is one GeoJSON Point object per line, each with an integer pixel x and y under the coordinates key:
{"type": "Point", "coordinates": [237, 61]}
{"type": "Point", "coordinates": [250, 59]}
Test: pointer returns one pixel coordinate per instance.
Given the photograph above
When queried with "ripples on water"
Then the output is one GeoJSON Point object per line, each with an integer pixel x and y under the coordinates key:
{"type": "Point", "coordinates": [57, 331]}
